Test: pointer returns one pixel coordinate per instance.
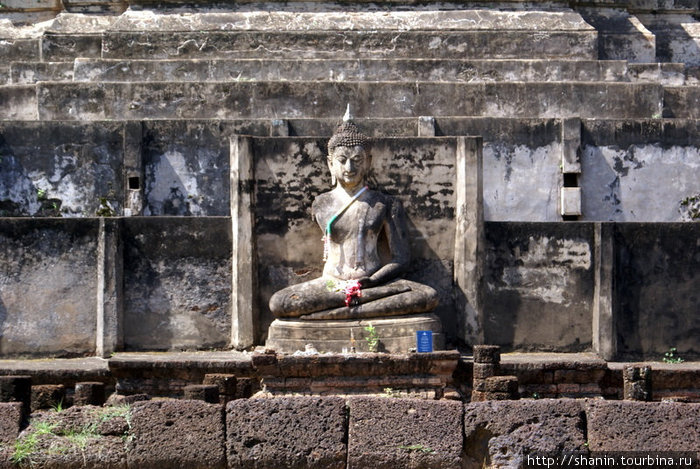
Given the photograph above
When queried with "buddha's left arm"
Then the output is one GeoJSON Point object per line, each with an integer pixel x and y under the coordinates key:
{"type": "Point", "coordinates": [397, 236]}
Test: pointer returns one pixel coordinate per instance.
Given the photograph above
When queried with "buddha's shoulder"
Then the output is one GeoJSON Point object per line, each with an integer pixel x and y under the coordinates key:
{"type": "Point", "coordinates": [323, 202]}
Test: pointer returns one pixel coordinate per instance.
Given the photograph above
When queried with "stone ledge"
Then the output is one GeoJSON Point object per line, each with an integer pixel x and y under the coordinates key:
{"type": "Point", "coordinates": [389, 69]}
{"type": "Point", "coordinates": [342, 20]}
{"type": "Point", "coordinates": [275, 100]}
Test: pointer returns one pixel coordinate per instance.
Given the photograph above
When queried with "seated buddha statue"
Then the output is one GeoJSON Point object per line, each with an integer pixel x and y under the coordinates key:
{"type": "Point", "coordinates": [365, 246]}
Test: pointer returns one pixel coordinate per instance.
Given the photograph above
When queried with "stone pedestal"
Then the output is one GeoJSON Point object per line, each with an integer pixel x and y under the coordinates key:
{"type": "Point", "coordinates": [396, 334]}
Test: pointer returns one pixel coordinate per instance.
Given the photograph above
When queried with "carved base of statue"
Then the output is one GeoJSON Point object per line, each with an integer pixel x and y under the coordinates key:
{"type": "Point", "coordinates": [395, 334]}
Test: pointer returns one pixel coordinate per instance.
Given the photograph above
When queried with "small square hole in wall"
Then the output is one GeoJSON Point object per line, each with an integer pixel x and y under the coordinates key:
{"type": "Point", "coordinates": [570, 180]}
{"type": "Point", "coordinates": [135, 183]}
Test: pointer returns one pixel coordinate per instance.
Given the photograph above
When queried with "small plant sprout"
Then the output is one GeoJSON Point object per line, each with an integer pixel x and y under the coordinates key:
{"type": "Point", "coordinates": [418, 448]}
{"type": "Point", "coordinates": [390, 392]}
{"type": "Point", "coordinates": [58, 407]}
{"type": "Point", "coordinates": [41, 194]}
{"type": "Point", "coordinates": [372, 338]}
{"type": "Point", "coordinates": [672, 356]}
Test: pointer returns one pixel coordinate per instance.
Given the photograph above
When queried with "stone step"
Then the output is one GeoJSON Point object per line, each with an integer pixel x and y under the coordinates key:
{"type": "Point", "coordinates": [491, 44]}
{"type": "Point", "coordinates": [18, 102]}
{"type": "Point", "coordinates": [18, 49]}
{"type": "Point", "coordinates": [682, 102]}
{"type": "Point", "coordinates": [658, 72]}
{"type": "Point", "coordinates": [231, 100]}
{"type": "Point", "coordinates": [389, 69]}
{"type": "Point", "coordinates": [21, 73]}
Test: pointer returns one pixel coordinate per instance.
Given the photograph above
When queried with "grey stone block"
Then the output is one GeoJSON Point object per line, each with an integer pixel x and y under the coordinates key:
{"type": "Point", "coordinates": [682, 102]}
{"type": "Point", "coordinates": [65, 47]}
{"type": "Point", "coordinates": [175, 434]}
{"type": "Point", "coordinates": [301, 432]}
{"type": "Point", "coordinates": [643, 426]}
{"type": "Point", "coordinates": [18, 102]}
{"type": "Point", "coordinates": [497, 434]}
{"type": "Point", "coordinates": [32, 72]}
{"type": "Point", "coordinates": [408, 433]}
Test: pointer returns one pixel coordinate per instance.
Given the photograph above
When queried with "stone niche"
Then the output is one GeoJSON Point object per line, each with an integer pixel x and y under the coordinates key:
{"type": "Point", "coordinates": [422, 172]}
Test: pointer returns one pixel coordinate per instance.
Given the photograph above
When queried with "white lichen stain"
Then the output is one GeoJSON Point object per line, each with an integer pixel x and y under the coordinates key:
{"type": "Point", "coordinates": [171, 173]}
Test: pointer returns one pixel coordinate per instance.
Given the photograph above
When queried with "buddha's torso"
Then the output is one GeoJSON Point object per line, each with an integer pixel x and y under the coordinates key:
{"type": "Point", "coordinates": [353, 249]}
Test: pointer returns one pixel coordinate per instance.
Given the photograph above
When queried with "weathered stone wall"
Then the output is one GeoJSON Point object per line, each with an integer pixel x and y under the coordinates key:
{"type": "Point", "coordinates": [177, 283]}
{"type": "Point", "coordinates": [638, 171]}
{"type": "Point", "coordinates": [379, 432]}
{"type": "Point", "coordinates": [538, 286]}
{"type": "Point", "coordinates": [651, 317]}
{"type": "Point", "coordinates": [57, 169]}
{"type": "Point", "coordinates": [48, 286]}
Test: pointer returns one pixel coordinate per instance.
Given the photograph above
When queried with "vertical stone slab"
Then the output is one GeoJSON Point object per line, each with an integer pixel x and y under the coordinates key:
{"type": "Point", "coordinates": [604, 337]}
{"type": "Point", "coordinates": [469, 238]}
{"type": "Point", "coordinates": [426, 126]}
{"type": "Point", "coordinates": [110, 298]}
{"type": "Point", "coordinates": [133, 169]}
{"type": "Point", "coordinates": [243, 263]}
{"type": "Point", "coordinates": [571, 145]}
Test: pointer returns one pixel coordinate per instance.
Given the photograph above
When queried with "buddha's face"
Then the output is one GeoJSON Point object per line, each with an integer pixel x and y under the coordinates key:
{"type": "Point", "coordinates": [349, 165]}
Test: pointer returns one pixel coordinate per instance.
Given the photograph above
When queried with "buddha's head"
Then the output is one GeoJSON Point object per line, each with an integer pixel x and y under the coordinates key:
{"type": "Point", "coordinates": [348, 158]}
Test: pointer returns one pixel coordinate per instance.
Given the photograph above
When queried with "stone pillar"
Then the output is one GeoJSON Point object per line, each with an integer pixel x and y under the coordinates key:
{"type": "Point", "coordinates": [244, 275]}
{"type": "Point", "coordinates": [604, 335]}
{"type": "Point", "coordinates": [487, 384]}
{"type": "Point", "coordinates": [469, 239]}
{"type": "Point", "coordinates": [89, 393]}
{"type": "Point", "coordinates": [110, 270]}
{"type": "Point", "coordinates": [637, 382]}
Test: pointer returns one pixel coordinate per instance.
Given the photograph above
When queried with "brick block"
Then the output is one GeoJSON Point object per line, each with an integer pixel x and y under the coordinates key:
{"type": "Point", "coordinates": [173, 434]}
{"type": "Point", "coordinates": [59, 449]}
{"type": "Point", "coordinates": [643, 426]}
{"type": "Point", "coordinates": [17, 389]}
{"type": "Point", "coordinates": [498, 433]}
{"type": "Point", "coordinates": [490, 354]}
{"type": "Point", "coordinates": [505, 384]}
{"type": "Point", "coordinates": [298, 432]}
{"type": "Point", "coordinates": [10, 421]}
{"type": "Point", "coordinates": [203, 392]}
{"type": "Point", "coordinates": [406, 433]}
{"type": "Point", "coordinates": [225, 382]}
{"type": "Point", "coordinates": [89, 393]}
{"type": "Point", "coordinates": [46, 396]}
{"type": "Point", "coordinates": [485, 370]}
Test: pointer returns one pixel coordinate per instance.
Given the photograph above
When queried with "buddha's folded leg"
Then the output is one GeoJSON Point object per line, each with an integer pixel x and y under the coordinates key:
{"type": "Point", "coordinates": [304, 298]}
{"type": "Point", "coordinates": [408, 298]}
